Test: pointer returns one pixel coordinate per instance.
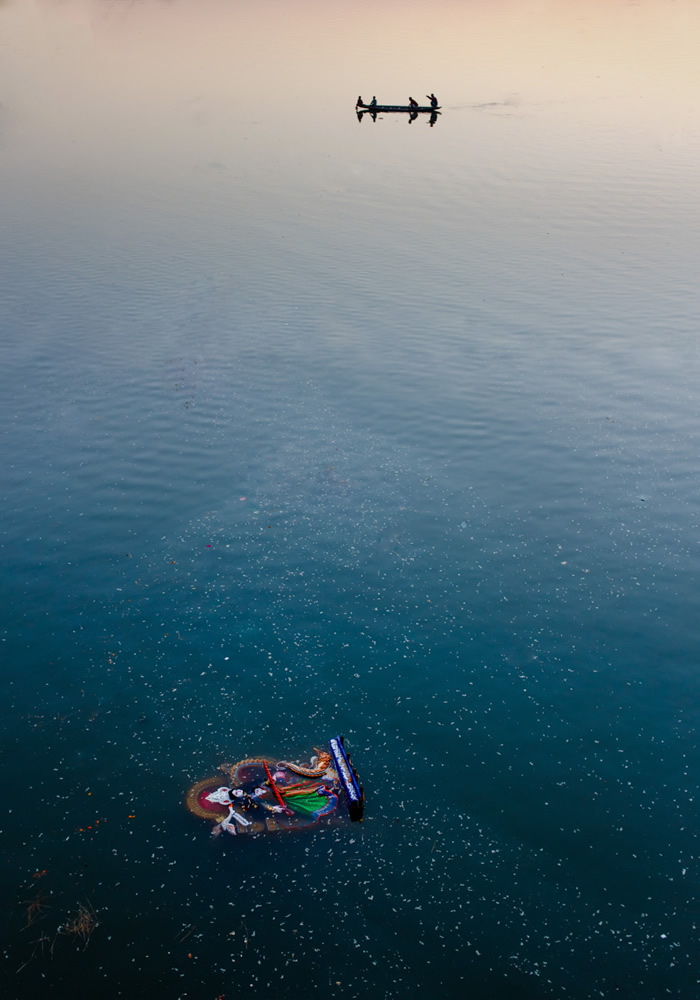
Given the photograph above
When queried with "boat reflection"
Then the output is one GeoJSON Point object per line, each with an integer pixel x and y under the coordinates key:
{"type": "Point", "coordinates": [432, 115]}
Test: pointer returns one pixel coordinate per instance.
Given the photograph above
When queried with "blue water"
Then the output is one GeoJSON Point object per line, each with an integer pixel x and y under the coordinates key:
{"type": "Point", "coordinates": [314, 426]}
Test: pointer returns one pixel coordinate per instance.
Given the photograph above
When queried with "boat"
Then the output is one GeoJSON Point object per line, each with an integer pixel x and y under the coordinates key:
{"type": "Point", "coordinates": [267, 795]}
{"type": "Point", "coordinates": [405, 108]}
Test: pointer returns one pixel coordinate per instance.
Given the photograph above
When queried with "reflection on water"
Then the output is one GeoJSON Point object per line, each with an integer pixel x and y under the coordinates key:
{"type": "Point", "coordinates": [430, 118]}
{"type": "Point", "coordinates": [312, 429]}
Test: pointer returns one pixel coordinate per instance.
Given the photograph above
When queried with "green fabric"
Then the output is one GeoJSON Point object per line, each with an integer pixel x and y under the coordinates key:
{"type": "Point", "coordinates": [302, 801]}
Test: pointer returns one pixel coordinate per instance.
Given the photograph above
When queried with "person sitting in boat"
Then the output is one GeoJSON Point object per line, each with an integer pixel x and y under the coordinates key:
{"type": "Point", "coordinates": [412, 103]}
{"type": "Point", "coordinates": [373, 102]}
{"type": "Point", "coordinates": [433, 100]}
{"type": "Point", "coordinates": [360, 103]}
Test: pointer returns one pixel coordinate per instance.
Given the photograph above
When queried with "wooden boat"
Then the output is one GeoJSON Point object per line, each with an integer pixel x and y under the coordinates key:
{"type": "Point", "coordinates": [406, 108]}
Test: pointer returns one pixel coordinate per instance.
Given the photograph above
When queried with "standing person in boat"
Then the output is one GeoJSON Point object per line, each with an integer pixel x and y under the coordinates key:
{"type": "Point", "coordinates": [433, 100]}
{"type": "Point", "coordinates": [412, 103]}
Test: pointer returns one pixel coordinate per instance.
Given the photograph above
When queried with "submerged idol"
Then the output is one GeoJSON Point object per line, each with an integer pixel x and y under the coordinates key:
{"type": "Point", "coordinates": [264, 795]}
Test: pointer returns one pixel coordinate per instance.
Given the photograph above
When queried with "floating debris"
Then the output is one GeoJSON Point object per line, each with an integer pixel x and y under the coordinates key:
{"type": "Point", "coordinates": [82, 925]}
{"type": "Point", "coordinates": [266, 795]}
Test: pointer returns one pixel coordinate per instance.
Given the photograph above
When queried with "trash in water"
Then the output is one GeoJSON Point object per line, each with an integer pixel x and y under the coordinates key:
{"type": "Point", "coordinates": [267, 795]}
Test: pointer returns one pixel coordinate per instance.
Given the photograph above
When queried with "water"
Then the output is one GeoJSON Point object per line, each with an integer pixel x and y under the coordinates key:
{"type": "Point", "coordinates": [313, 425]}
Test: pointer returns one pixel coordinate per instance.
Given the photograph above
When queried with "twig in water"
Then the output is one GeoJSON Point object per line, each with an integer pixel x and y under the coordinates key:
{"type": "Point", "coordinates": [185, 933]}
{"type": "Point", "coordinates": [39, 945]}
{"type": "Point", "coordinates": [35, 909]}
{"type": "Point", "coordinates": [82, 925]}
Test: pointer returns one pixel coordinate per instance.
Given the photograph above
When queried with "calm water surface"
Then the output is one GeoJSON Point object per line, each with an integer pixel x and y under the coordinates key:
{"type": "Point", "coordinates": [316, 425]}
